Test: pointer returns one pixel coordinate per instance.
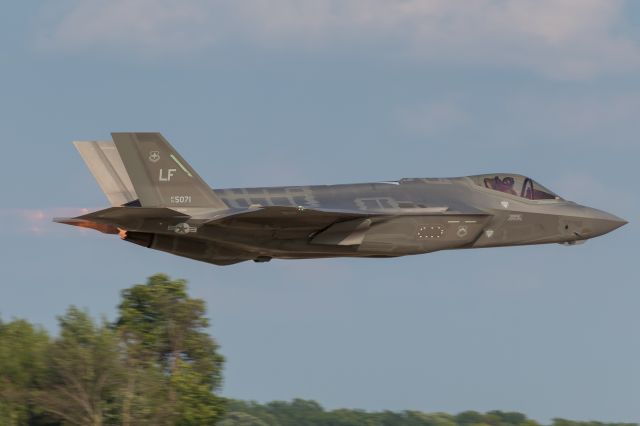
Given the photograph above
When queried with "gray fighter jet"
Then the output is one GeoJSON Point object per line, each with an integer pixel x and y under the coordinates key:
{"type": "Point", "coordinates": [159, 201]}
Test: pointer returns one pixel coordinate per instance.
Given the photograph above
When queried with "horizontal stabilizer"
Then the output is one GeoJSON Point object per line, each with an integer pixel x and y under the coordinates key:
{"type": "Point", "coordinates": [102, 227]}
{"type": "Point", "coordinates": [109, 220]}
{"type": "Point", "coordinates": [126, 214]}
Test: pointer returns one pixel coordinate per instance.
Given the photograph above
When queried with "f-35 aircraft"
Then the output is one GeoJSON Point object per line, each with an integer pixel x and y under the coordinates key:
{"type": "Point", "coordinates": [159, 201]}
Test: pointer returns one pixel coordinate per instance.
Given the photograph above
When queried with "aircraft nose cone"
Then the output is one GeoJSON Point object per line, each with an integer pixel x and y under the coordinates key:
{"type": "Point", "coordinates": [601, 222]}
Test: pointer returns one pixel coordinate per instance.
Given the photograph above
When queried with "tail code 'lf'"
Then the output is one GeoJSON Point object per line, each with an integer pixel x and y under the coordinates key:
{"type": "Point", "coordinates": [160, 176]}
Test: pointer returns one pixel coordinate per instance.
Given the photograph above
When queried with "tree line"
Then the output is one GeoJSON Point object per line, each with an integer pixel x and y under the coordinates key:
{"type": "Point", "coordinates": [156, 364]}
{"type": "Point", "coordinates": [309, 413]}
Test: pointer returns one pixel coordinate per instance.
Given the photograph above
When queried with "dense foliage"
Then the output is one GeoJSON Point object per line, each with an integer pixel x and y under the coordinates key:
{"type": "Point", "coordinates": [309, 413]}
{"type": "Point", "coordinates": [156, 365]}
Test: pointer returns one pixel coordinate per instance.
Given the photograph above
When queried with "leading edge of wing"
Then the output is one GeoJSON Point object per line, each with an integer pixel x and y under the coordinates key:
{"type": "Point", "coordinates": [280, 212]}
{"type": "Point", "coordinates": [259, 214]}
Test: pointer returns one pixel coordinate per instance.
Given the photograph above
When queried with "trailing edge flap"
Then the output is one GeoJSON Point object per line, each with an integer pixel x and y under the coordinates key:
{"type": "Point", "coordinates": [105, 220]}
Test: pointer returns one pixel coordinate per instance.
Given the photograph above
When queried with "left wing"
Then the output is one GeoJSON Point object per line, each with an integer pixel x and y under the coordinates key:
{"type": "Point", "coordinates": [324, 226]}
{"type": "Point", "coordinates": [286, 216]}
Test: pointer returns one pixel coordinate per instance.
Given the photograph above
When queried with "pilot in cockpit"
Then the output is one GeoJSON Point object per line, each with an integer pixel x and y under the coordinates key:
{"type": "Point", "coordinates": [503, 185]}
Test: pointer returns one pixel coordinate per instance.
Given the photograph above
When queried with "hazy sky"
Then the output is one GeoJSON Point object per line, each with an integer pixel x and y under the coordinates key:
{"type": "Point", "coordinates": [285, 92]}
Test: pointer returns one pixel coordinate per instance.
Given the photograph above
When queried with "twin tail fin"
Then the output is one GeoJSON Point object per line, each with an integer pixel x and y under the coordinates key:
{"type": "Point", "coordinates": [160, 176]}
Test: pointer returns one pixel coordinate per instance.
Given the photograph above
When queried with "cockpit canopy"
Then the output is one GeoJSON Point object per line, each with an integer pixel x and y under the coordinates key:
{"type": "Point", "coordinates": [518, 185]}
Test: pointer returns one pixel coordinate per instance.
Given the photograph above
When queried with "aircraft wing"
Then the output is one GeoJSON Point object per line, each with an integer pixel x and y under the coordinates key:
{"type": "Point", "coordinates": [286, 216]}
{"type": "Point", "coordinates": [301, 216]}
{"type": "Point", "coordinates": [325, 226]}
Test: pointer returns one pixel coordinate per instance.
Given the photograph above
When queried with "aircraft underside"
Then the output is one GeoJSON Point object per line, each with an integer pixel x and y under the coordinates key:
{"type": "Point", "coordinates": [378, 237]}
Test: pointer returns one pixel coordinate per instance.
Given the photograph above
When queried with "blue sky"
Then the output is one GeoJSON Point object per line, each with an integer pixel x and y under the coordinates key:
{"type": "Point", "coordinates": [311, 92]}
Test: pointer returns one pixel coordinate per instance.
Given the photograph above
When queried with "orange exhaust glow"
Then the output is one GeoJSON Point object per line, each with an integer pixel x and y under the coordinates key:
{"type": "Point", "coordinates": [122, 233]}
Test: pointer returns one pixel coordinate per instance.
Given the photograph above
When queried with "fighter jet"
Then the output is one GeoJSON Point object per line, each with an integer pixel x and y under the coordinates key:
{"type": "Point", "coordinates": [160, 202]}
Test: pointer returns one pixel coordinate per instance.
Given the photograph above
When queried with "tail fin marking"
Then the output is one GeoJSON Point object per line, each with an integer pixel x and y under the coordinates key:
{"type": "Point", "coordinates": [160, 176]}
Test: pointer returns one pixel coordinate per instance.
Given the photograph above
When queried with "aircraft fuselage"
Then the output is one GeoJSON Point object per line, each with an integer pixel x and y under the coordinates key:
{"type": "Point", "coordinates": [159, 201]}
{"type": "Point", "coordinates": [413, 216]}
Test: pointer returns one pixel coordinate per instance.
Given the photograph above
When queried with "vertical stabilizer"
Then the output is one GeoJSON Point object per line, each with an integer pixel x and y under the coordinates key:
{"type": "Point", "coordinates": [103, 161]}
{"type": "Point", "coordinates": [160, 176]}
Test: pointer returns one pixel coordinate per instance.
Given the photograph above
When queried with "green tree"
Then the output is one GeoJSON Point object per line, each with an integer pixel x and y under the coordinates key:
{"type": "Point", "coordinates": [235, 418]}
{"type": "Point", "coordinates": [253, 409]}
{"type": "Point", "coordinates": [468, 418]}
{"type": "Point", "coordinates": [22, 365]}
{"type": "Point", "coordinates": [418, 418]}
{"type": "Point", "coordinates": [143, 393]}
{"type": "Point", "coordinates": [164, 331]}
{"type": "Point", "coordinates": [84, 372]}
{"type": "Point", "coordinates": [309, 413]}
{"type": "Point", "coordinates": [297, 412]}
{"type": "Point", "coordinates": [508, 418]}
{"type": "Point", "coordinates": [565, 422]}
